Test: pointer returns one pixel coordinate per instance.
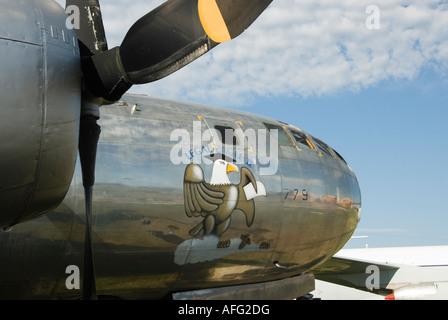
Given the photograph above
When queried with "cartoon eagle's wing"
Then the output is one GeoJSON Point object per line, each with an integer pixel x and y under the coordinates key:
{"type": "Point", "coordinates": [198, 197]}
{"type": "Point", "coordinates": [245, 205]}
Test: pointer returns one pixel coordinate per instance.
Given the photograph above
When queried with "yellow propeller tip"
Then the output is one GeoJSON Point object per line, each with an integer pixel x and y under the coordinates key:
{"type": "Point", "coordinates": [212, 21]}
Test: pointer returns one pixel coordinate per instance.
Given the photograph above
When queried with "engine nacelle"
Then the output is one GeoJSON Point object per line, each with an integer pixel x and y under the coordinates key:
{"type": "Point", "coordinates": [40, 97]}
{"type": "Point", "coordinates": [421, 291]}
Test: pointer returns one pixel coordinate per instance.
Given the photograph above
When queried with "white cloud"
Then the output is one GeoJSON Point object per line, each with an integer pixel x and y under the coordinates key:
{"type": "Point", "coordinates": [304, 48]}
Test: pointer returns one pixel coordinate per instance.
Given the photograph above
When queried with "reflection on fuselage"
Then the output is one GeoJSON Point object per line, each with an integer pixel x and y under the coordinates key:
{"type": "Point", "coordinates": [142, 242]}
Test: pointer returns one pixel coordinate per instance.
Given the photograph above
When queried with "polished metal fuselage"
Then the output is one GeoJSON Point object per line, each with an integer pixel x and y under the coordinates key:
{"type": "Point", "coordinates": [142, 239]}
{"type": "Point", "coordinates": [142, 245]}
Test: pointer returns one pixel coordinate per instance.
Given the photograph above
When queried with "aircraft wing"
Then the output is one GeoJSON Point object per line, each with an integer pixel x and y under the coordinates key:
{"type": "Point", "coordinates": [396, 273]}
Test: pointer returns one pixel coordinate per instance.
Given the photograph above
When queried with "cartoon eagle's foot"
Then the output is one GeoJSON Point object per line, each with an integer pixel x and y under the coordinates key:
{"type": "Point", "coordinates": [223, 226]}
{"type": "Point", "coordinates": [209, 225]}
{"type": "Point", "coordinates": [197, 231]}
{"type": "Point", "coordinates": [206, 227]}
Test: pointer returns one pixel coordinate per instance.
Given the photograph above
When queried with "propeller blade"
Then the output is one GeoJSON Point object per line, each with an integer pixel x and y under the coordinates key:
{"type": "Point", "coordinates": [163, 41]}
{"type": "Point", "coordinates": [92, 41]}
{"type": "Point", "coordinates": [180, 31]}
{"type": "Point", "coordinates": [167, 39]}
{"type": "Point", "coordinates": [160, 43]}
{"type": "Point", "coordinates": [91, 34]}
{"type": "Point", "coordinates": [224, 20]}
{"type": "Point", "coordinates": [88, 142]}
{"type": "Point", "coordinates": [89, 280]}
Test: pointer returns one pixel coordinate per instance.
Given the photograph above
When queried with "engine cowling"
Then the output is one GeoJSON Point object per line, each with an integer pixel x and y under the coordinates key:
{"type": "Point", "coordinates": [421, 291]}
{"type": "Point", "coordinates": [40, 90]}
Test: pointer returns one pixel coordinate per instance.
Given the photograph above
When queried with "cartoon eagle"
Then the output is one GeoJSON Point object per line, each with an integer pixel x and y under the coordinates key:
{"type": "Point", "coordinates": [217, 200]}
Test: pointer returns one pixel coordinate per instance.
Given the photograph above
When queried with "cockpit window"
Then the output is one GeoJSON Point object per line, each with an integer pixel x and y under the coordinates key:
{"type": "Point", "coordinates": [302, 140]}
{"type": "Point", "coordinates": [227, 134]}
{"type": "Point", "coordinates": [282, 136]}
{"type": "Point", "coordinates": [340, 157]}
{"type": "Point", "coordinates": [322, 146]}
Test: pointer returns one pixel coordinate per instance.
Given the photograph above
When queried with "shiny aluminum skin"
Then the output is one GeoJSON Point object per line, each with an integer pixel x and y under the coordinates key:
{"type": "Point", "coordinates": [140, 223]}
{"type": "Point", "coordinates": [142, 245]}
{"type": "Point", "coordinates": [39, 105]}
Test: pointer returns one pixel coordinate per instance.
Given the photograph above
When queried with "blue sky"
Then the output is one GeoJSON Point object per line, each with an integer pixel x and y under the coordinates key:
{"type": "Point", "coordinates": [395, 137]}
{"type": "Point", "coordinates": [378, 96]}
